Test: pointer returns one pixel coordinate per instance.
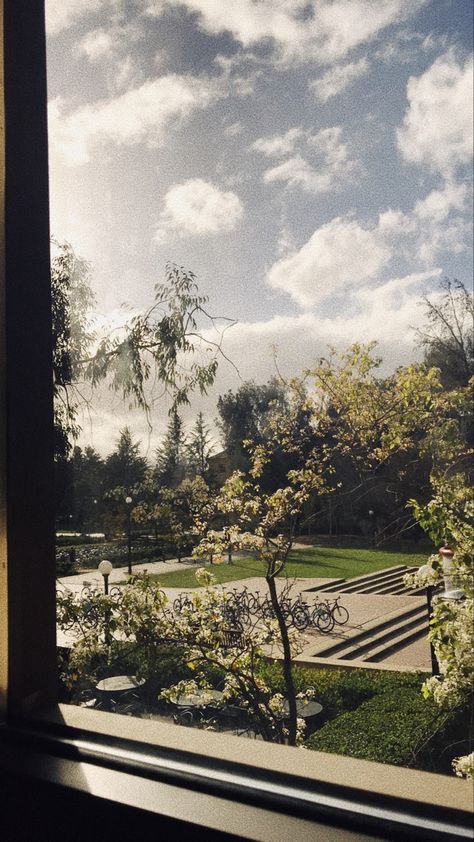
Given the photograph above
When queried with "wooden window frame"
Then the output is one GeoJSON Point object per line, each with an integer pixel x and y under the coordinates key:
{"type": "Point", "coordinates": [221, 787]}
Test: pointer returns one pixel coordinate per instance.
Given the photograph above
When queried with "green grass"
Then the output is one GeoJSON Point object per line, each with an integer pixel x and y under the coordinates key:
{"type": "Point", "coordinates": [326, 562]}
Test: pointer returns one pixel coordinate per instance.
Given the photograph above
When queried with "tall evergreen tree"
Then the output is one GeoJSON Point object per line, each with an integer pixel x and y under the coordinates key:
{"type": "Point", "coordinates": [125, 468]}
{"type": "Point", "coordinates": [199, 448]}
{"type": "Point", "coordinates": [170, 456]}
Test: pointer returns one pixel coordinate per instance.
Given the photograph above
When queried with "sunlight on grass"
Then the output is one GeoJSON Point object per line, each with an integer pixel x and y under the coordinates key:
{"type": "Point", "coordinates": [313, 562]}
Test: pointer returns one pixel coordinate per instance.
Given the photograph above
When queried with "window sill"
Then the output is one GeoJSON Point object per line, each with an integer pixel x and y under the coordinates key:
{"type": "Point", "coordinates": [231, 785]}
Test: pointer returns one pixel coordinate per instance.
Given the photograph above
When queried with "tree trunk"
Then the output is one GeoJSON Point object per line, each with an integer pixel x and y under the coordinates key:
{"type": "Point", "coordinates": [287, 666]}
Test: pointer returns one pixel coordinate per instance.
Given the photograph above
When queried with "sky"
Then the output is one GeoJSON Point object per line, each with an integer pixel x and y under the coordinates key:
{"type": "Point", "coordinates": [309, 160]}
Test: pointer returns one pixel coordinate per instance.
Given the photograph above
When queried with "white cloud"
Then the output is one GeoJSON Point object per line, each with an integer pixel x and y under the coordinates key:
{"type": "Point", "coordinates": [437, 129]}
{"type": "Point", "coordinates": [338, 78]}
{"type": "Point", "coordinates": [234, 129]}
{"type": "Point", "coordinates": [141, 115]}
{"type": "Point", "coordinates": [278, 145]}
{"type": "Point", "coordinates": [404, 46]}
{"type": "Point", "coordinates": [197, 207]}
{"type": "Point", "coordinates": [299, 30]}
{"type": "Point", "coordinates": [338, 255]}
{"type": "Point", "coordinates": [343, 252]}
{"type": "Point", "coordinates": [330, 168]}
{"type": "Point", "coordinates": [60, 14]}
{"type": "Point", "coordinates": [97, 44]}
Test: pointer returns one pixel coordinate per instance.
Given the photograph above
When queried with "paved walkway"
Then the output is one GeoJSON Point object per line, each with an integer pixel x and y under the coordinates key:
{"type": "Point", "coordinates": [363, 608]}
{"type": "Point", "coordinates": [120, 574]}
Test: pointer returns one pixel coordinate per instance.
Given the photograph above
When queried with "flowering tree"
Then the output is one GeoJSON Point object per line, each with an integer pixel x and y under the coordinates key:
{"type": "Point", "coordinates": [449, 520]}
{"type": "Point", "coordinates": [379, 427]}
{"type": "Point", "coordinates": [137, 624]}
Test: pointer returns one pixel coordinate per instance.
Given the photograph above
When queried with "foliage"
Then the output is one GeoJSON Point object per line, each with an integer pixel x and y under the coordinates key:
{"type": "Point", "coordinates": [397, 727]}
{"type": "Point", "coordinates": [340, 690]}
{"type": "Point", "coordinates": [170, 462]}
{"type": "Point", "coordinates": [160, 345]}
{"type": "Point", "coordinates": [450, 516]}
{"type": "Point", "coordinates": [136, 627]}
{"type": "Point", "coordinates": [199, 448]}
{"type": "Point", "coordinates": [244, 417]}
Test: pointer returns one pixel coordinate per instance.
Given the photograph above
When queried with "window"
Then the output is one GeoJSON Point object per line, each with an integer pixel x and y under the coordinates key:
{"type": "Point", "coordinates": [161, 774]}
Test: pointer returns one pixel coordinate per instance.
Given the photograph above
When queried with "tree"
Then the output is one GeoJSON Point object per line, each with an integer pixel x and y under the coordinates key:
{"type": "Point", "coordinates": [125, 468]}
{"type": "Point", "coordinates": [87, 487]}
{"type": "Point", "coordinates": [448, 337]}
{"type": "Point", "coordinates": [159, 345]}
{"type": "Point", "coordinates": [72, 300]}
{"type": "Point", "coordinates": [448, 518]}
{"type": "Point", "coordinates": [199, 448]}
{"type": "Point", "coordinates": [170, 456]}
{"type": "Point", "coordinates": [246, 419]}
{"type": "Point", "coordinates": [243, 417]}
{"type": "Point", "coordinates": [124, 474]}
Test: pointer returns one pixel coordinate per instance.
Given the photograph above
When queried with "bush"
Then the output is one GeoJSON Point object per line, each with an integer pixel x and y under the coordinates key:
{"type": "Point", "coordinates": [339, 690]}
{"type": "Point", "coordinates": [397, 726]}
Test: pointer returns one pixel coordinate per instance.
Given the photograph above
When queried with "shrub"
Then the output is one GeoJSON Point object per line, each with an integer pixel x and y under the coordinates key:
{"type": "Point", "coordinates": [397, 726]}
{"type": "Point", "coordinates": [338, 689]}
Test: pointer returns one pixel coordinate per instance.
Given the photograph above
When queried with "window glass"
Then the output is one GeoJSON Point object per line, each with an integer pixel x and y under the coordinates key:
{"type": "Point", "coordinates": [259, 212]}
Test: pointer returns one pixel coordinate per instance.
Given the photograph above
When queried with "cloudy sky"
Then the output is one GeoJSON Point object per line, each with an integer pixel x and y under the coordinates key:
{"type": "Point", "coordinates": [309, 160]}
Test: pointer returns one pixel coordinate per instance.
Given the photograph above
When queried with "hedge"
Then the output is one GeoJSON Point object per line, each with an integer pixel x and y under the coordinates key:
{"type": "Point", "coordinates": [398, 726]}
{"type": "Point", "coordinates": [338, 689]}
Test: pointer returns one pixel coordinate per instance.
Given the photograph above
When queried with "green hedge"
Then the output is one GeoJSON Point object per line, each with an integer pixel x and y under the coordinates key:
{"type": "Point", "coordinates": [398, 726]}
{"type": "Point", "coordinates": [340, 690]}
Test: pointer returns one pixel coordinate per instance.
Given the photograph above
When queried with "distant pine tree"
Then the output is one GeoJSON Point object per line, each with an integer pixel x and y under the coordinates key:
{"type": "Point", "coordinates": [171, 455]}
{"type": "Point", "coordinates": [199, 448]}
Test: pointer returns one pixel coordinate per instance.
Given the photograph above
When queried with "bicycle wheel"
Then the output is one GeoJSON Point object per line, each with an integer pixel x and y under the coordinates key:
{"type": "Point", "coordinates": [323, 620]}
{"type": "Point", "coordinates": [340, 615]}
{"type": "Point", "coordinates": [301, 618]}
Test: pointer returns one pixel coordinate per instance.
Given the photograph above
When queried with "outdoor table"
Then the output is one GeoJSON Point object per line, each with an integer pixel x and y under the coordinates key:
{"type": "Point", "coordinates": [304, 710]}
{"type": "Point", "coordinates": [119, 684]}
{"type": "Point", "coordinates": [200, 699]}
{"type": "Point", "coordinates": [191, 705]}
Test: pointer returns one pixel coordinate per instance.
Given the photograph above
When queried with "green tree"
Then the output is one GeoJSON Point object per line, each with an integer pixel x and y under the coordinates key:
{"type": "Point", "coordinates": [125, 468]}
{"type": "Point", "coordinates": [124, 475]}
{"type": "Point", "coordinates": [243, 417]}
{"type": "Point", "coordinates": [72, 300]}
{"type": "Point", "coordinates": [170, 455]}
{"type": "Point", "coordinates": [158, 345]}
{"type": "Point", "coordinates": [199, 448]}
{"type": "Point", "coordinates": [87, 487]}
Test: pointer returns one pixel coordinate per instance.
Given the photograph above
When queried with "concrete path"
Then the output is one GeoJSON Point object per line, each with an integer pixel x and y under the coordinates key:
{"type": "Point", "coordinates": [363, 608]}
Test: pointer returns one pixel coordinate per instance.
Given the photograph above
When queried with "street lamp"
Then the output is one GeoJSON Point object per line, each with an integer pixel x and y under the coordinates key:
{"type": "Point", "coordinates": [105, 568]}
{"type": "Point", "coordinates": [129, 501]}
{"type": "Point", "coordinates": [425, 570]}
{"type": "Point", "coordinates": [372, 524]}
{"type": "Point", "coordinates": [451, 590]}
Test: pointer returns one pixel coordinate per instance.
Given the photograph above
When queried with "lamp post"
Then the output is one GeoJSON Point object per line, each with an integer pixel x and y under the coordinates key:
{"type": "Point", "coordinates": [105, 568]}
{"type": "Point", "coordinates": [424, 571]}
{"type": "Point", "coordinates": [372, 524]}
{"type": "Point", "coordinates": [451, 591]}
{"type": "Point", "coordinates": [129, 501]}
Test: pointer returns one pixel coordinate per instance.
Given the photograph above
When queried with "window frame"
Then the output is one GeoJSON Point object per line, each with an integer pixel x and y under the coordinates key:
{"type": "Point", "coordinates": [226, 785]}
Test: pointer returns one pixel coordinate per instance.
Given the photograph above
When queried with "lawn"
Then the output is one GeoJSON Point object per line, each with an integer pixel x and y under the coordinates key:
{"type": "Point", "coordinates": [327, 562]}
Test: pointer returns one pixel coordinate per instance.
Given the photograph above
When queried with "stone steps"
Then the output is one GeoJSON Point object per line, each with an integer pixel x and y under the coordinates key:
{"type": "Point", "coordinates": [388, 581]}
{"type": "Point", "coordinates": [380, 632]}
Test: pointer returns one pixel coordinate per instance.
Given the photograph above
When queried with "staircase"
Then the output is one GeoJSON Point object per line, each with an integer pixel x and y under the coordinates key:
{"type": "Point", "coordinates": [383, 635]}
{"type": "Point", "coordinates": [388, 581]}
{"type": "Point", "coordinates": [380, 637]}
